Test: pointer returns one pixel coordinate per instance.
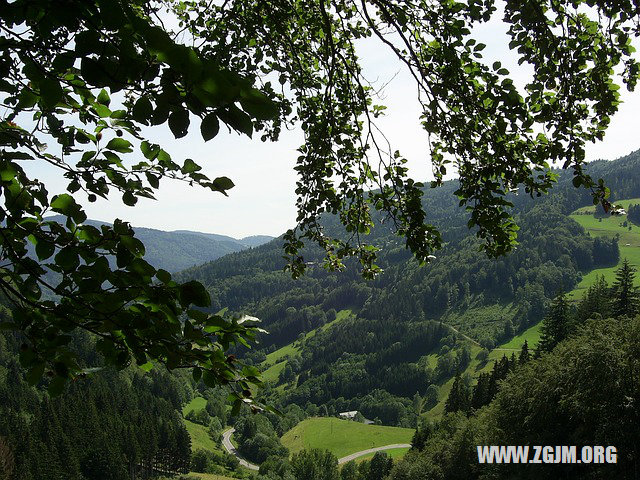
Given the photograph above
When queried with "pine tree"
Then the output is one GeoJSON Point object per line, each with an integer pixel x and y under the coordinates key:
{"type": "Point", "coordinates": [459, 396]}
{"type": "Point", "coordinates": [525, 356]}
{"type": "Point", "coordinates": [481, 391]}
{"type": "Point", "coordinates": [596, 302]}
{"type": "Point", "coordinates": [626, 300]}
{"type": "Point", "coordinates": [556, 324]}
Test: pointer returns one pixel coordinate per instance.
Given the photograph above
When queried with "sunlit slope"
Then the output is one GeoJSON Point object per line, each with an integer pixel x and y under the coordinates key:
{"type": "Point", "coordinates": [629, 241]}
{"type": "Point", "coordinates": [342, 437]}
{"type": "Point", "coordinates": [276, 361]}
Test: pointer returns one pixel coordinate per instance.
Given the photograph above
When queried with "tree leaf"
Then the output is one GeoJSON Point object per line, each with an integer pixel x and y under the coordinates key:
{"type": "Point", "coordinates": [143, 110]}
{"type": "Point", "coordinates": [51, 92]}
{"type": "Point", "coordinates": [194, 293]}
{"type": "Point", "coordinates": [103, 98]}
{"type": "Point", "coordinates": [223, 183]}
{"type": "Point", "coordinates": [120, 145]}
{"type": "Point", "coordinates": [67, 205]}
{"type": "Point", "coordinates": [258, 105]}
{"type": "Point", "coordinates": [44, 249]}
{"type": "Point", "coordinates": [209, 127]}
{"type": "Point", "coordinates": [238, 120]}
{"type": "Point", "coordinates": [179, 122]}
{"type": "Point", "coordinates": [190, 166]}
{"type": "Point", "coordinates": [67, 259]}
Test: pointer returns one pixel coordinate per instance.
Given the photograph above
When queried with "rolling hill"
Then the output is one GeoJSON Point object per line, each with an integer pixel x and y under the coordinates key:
{"type": "Point", "coordinates": [342, 437]}
{"type": "Point", "coordinates": [182, 249]}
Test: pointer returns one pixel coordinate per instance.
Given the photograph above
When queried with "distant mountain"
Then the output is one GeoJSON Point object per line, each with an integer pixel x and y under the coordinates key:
{"type": "Point", "coordinates": [256, 240]}
{"type": "Point", "coordinates": [181, 249]}
{"type": "Point", "coordinates": [246, 242]}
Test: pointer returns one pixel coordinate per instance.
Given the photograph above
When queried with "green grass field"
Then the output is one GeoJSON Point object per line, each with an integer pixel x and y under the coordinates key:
{"type": "Point", "coordinates": [531, 335]}
{"type": "Point", "coordinates": [629, 243]}
{"type": "Point", "coordinates": [197, 403]}
{"type": "Point", "coordinates": [199, 437]}
{"type": "Point", "coordinates": [342, 437]}
{"type": "Point", "coordinates": [271, 374]}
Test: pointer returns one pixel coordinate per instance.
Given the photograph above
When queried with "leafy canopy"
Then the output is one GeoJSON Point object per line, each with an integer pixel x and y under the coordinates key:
{"type": "Point", "coordinates": [82, 79]}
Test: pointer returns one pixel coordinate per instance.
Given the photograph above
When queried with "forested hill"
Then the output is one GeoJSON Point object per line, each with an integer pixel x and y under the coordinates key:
{"type": "Point", "coordinates": [381, 353]}
{"type": "Point", "coordinates": [180, 249]}
{"type": "Point", "coordinates": [253, 281]}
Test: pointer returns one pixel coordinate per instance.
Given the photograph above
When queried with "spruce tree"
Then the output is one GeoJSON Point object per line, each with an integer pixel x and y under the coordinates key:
{"type": "Point", "coordinates": [596, 302]}
{"type": "Point", "coordinates": [626, 301]}
{"type": "Point", "coordinates": [459, 397]}
{"type": "Point", "coordinates": [525, 356]}
{"type": "Point", "coordinates": [556, 324]}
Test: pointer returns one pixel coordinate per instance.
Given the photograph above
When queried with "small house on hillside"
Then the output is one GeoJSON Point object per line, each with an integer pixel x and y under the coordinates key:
{"type": "Point", "coordinates": [349, 415]}
{"type": "Point", "coordinates": [355, 416]}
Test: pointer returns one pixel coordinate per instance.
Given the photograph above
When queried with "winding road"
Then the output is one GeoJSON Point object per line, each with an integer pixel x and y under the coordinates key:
{"type": "Point", "coordinates": [353, 456]}
{"type": "Point", "coordinates": [226, 443]}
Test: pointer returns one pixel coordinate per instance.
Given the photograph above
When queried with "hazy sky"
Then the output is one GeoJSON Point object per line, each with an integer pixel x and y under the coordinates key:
{"type": "Point", "coordinates": [263, 200]}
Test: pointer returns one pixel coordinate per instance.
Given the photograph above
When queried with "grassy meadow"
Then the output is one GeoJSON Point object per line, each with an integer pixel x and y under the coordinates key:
{"type": "Point", "coordinates": [629, 242]}
{"type": "Point", "coordinates": [342, 437]}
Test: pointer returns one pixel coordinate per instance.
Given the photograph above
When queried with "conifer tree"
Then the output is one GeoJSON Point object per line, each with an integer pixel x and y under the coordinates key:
{"type": "Point", "coordinates": [459, 397]}
{"type": "Point", "coordinates": [525, 356]}
{"type": "Point", "coordinates": [626, 299]}
{"type": "Point", "coordinates": [481, 391]}
{"type": "Point", "coordinates": [556, 324]}
{"type": "Point", "coordinates": [596, 302]}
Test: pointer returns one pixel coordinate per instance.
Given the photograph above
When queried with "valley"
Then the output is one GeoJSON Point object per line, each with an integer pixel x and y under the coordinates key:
{"type": "Point", "coordinates": [405, 350]}
{"type": "Point", "coordinates": [474, 330]}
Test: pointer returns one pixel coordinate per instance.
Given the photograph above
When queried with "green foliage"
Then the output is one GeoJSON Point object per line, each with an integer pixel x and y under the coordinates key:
{"type": "Point", "coordinates": [557, 323]}
{"type": "Point", "coordinates": [459, 399]}
{"type": "Point", "coordinates": [315, 464]}
{"type": "Point", "coordinates": [207, 461]}
{"type": "Point", "coordinates": [581, 393]}
{"type": "Point", "coordinates": [472, 111]}
{"type": "Point", "coordinates": [626, 297]}
{"type": "Point", "coordinates": [109, 426]}
{"type": "Point", "coordinates": [90, 76]}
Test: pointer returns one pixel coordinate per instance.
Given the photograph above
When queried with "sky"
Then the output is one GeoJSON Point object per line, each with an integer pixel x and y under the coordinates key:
{"type": "Point", "coordinates": [263, 199]}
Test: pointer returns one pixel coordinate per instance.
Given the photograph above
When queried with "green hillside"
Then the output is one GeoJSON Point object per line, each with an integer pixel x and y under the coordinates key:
{"type": "Point", "coordinates": [196, 403]}
{"type": "Point", "coordinates": [200, 438]}
{"type": "Point", "coordinates": [411, 329]}
{"type": "Point", "coordinates": [342, 437]}
{"type": "Point", "coordinates": [628, 242]}
{"type": "Point", "coordinates": [276, 358]}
